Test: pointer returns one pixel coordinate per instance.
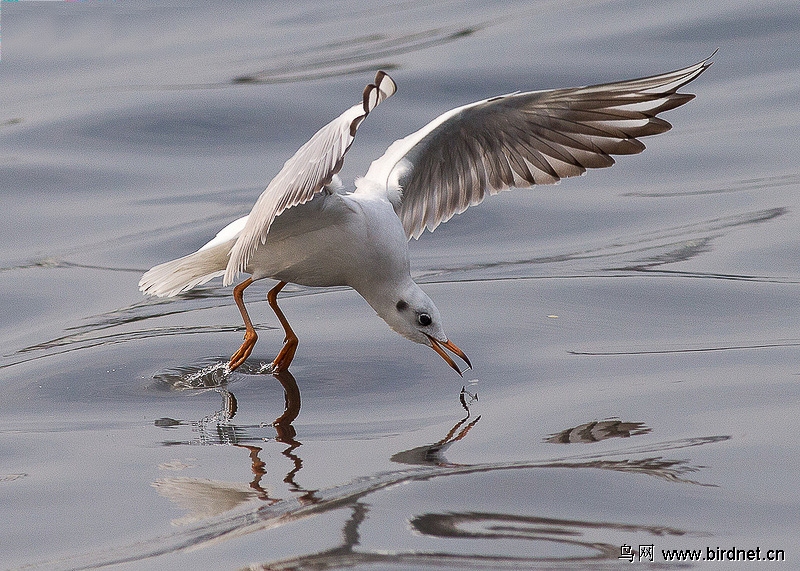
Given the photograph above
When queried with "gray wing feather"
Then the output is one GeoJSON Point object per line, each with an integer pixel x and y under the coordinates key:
{"type": "Point", "coordinates": [305, 174]}
{"type": "Point", "coordinates": [520, 140]}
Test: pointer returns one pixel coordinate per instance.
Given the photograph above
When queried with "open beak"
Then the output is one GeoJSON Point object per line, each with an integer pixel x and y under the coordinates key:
{"type": "Point", "coordinates": [440, 346]}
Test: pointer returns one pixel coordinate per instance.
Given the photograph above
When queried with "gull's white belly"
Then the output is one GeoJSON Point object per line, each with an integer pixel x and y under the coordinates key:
{"type": "Point", "coordinates": [333, 240]}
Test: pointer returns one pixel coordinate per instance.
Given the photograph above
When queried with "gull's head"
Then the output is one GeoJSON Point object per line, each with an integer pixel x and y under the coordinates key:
{"type": "Point", "coordinates": [411, 313]}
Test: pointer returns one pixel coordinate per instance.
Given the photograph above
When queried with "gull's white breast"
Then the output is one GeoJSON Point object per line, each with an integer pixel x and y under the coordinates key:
{"type": "Point", "coordinates": [334, 240]}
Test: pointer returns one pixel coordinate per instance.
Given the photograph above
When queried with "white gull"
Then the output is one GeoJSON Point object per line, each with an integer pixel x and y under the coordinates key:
{"type": "Point", "coordinates": [305, 229]}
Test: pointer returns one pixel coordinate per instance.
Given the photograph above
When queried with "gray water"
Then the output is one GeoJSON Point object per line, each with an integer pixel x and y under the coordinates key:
{"type": "Point", "coordinates": [634, 332]}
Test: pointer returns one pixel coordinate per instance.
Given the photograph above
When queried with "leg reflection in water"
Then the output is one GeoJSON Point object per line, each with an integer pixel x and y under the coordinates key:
{"type": "Point", "coordinates": [204, 498]}
{"type": "Point", "coordinates": [584, 541]}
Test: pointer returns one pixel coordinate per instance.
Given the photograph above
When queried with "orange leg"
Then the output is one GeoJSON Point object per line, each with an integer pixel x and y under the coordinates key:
{"type": "Point", "coordinates": [286, 354]}
{"type": "Point", "coordinates": [250, 336]}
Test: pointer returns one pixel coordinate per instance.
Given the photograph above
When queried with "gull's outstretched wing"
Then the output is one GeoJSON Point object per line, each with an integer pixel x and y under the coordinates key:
{"type": "Point", "coordinates": [305, 174]}
{"type": "Point", "coordinates": [519, 140]}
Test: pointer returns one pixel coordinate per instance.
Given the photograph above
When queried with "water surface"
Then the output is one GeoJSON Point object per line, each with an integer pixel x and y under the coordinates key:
{"type": "Point", "coordinates": [634, 332]}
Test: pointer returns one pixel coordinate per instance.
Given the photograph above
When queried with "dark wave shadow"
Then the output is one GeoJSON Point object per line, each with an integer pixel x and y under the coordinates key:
{"type": "Point", "coordinates": [777, 344]}
{"type": "Point", "coordinates": [476, 526]}
{"type": "Point", "coordinates": [351, 55]}
{"type": "Point", "coordinates": [620, 256]}
{"type": "Point", "coordinates": [114, 327]}
{"type": "Point", "coordinates": [52, 262]}
{"type": "Point", "coordinates": [759, 183]}
{"type": "Point", "coordinates": [91, 338]}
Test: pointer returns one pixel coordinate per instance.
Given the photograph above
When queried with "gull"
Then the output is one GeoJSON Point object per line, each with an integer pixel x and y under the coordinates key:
{"type": "Point", "coordinates": [306, 229]}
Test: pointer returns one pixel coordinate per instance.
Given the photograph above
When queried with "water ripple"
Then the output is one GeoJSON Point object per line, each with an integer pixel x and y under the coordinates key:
{"type": "Point", "coordinates": [246, 519]}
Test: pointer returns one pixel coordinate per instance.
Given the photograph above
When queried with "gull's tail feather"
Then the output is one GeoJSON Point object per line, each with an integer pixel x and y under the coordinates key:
{"type": "Point", "coordinates": [171, 278]}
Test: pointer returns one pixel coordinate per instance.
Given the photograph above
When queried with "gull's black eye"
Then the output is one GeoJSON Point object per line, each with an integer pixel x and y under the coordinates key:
{"type": "Point", "coordinates": [424, 319]}
{"type": "Point", "coordinates": [401, 305]}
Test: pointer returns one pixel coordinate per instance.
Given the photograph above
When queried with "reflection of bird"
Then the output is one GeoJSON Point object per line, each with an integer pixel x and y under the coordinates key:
{"type": "Point", "coordinates": [203, 498]}
{"type": "Point", "coordinates": [306, 230]}
{"type": "Point", "coordinates": [433, 454]}
{"type": "Point", "coordinates": [596, 431]}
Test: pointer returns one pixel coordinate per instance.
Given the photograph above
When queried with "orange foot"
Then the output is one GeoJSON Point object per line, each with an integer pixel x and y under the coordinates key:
{"type": "Point", "coordinates": [286, 354]}
{"type": "Point", "coordinates": [244, 351]}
